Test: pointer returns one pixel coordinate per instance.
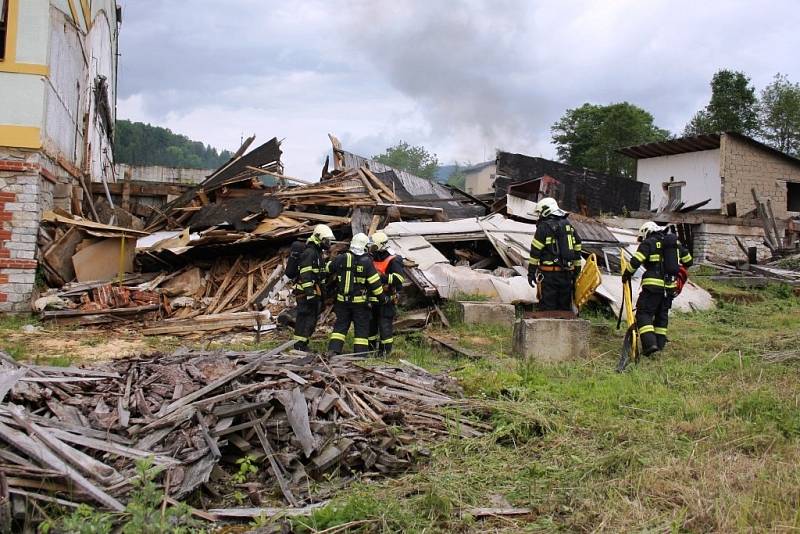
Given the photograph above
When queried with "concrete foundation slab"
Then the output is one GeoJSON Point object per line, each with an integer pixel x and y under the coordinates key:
{"type": "Point", "coordinates": [493, 313]}
{"type": "Point", "coordinates": [551, 340]}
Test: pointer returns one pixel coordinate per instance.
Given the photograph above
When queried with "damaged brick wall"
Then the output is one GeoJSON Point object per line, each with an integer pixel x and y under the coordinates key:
{"type": "Point", "coordinates": [29, 184]}
{"type": "Point", "coordinates": [744, 165]}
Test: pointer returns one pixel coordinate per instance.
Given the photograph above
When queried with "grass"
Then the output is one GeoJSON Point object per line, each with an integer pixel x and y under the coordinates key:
{"type": "Point", "coordinates": [705, 437]}
{"type": "Point", "coordinates": [702, 438]}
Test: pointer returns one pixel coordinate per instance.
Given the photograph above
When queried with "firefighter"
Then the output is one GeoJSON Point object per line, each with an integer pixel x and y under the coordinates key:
{"type": "Point", "coordinates": [390, 267]}
{"type": "Point", "coordinates": [555, 260]}
{"type": "Point", "coordinates": [309, 283]}
{"type": "Point", "coordinates": [665, 261]}
{"type": "Point", "coordinates": [356, 277]}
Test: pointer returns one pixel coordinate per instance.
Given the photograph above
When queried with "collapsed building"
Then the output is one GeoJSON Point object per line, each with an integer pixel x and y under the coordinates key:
{"type": "Point", "coordinates": [58, 65]}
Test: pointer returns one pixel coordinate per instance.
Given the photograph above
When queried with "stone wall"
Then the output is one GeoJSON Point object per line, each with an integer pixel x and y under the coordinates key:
{"type": "Point", "coordinates": [30, 183]}
{"type": "Point", "coordinates": [718, 242]}
{"type": "Point", "coordinates": [744, 165]}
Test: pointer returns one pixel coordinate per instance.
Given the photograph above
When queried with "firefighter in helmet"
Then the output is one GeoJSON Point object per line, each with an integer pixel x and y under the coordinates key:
{"type": "Point", "coordinates": [390, 267]}
{"type": "Point", "coordinates": [665, 261]}
{"type": "Point", "coordinates": [309, 283]}
{"type": "Point", "coordinates": [555, 258]}
{"type": "Point", "coordinates": [356, 280]}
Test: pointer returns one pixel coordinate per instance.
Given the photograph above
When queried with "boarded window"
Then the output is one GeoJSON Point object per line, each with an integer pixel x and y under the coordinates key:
{"type": "Point", "coordinates": [792, 196]}
{"type": "Point", "coordinates": [3, 27]}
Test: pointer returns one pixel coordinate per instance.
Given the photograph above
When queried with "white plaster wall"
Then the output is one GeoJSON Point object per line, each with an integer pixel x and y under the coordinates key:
{"type": "Point", "coordinates": [100, 44]}
{"type": "Point", "coordinates": [34, 26]}
{"type": "Point", "coordinates": [700, 171]}
{"type": "Point", "coordinates": [27, 94]}
{"type": "Point", "coordinates": [64, 100]}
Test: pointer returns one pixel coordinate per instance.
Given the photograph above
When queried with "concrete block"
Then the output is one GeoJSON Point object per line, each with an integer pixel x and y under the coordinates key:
{"type": "Point", "coordinates": [551, 340]}
{"type": "Point", "coordinates": [493, 313]}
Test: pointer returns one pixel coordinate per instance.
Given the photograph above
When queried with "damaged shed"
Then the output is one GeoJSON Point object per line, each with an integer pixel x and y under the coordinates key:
{"type": "Point", "coordinates": [576, 189]}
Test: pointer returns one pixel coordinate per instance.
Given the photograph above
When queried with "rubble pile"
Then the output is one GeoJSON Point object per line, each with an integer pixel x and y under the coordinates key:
{"type": "Point", "coordinates": [212, 260]}
{"type": "Point", "coordinates": [75, 434]}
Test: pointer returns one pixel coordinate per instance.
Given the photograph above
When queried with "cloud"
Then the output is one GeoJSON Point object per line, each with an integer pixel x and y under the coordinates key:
{"type": "Point", "coordinates": [459, 78]}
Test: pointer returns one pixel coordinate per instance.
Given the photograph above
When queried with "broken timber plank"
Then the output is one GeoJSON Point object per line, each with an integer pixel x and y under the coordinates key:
{"type": "Point", "coordinates": [42, 454]}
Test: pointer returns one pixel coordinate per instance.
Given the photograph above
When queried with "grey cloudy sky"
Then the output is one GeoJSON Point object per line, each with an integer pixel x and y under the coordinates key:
{"type": "Point", "coordinates": [461, 78]}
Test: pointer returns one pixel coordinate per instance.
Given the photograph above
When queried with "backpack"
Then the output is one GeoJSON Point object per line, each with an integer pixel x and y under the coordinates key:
{"type": "Point", "coordinates": [671, 265]}
{"type": "Point", "coordinates": [293, 261]}
{"type": "Point", "coordinates": [564, 242]}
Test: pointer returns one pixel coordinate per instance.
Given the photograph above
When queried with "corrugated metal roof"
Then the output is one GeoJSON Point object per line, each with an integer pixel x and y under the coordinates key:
{"type": "Point", "coordinates": [696, 143]}
{"type": "Point", "coordinates": [683, 145]}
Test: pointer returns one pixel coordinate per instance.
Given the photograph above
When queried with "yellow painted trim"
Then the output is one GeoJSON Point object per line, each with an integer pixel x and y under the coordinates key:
{"type": "Point", "coordinates": [20, 136]}
{"type": "Point", "coordinates": [87, 13]}
{"type": "Point", "coordinates": [11, 32]}
{"type": "Point", "coordinates": [9, 63]}
{"type": "Point", "coordinates": [25, 68]}
{"type": "Point", "coordinates": [74, 13]}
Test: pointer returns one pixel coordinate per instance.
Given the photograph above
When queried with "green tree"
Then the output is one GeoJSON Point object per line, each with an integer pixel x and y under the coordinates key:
{"type": "Point", "coordinates": [137, 143]}
{"type": "Point", "coordinates": [589, 136]}
{"type": "Point", "coordinates": [733, 106]}
{"type": "Point", "coordinates": [457, 178]}
{"type": "Point", "coordinates": [779, 115]}
{"type": "Point", "coordinates": [413, 159]}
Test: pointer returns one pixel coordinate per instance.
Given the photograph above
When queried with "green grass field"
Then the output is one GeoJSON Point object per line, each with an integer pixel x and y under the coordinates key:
{"type": "Point", "coordinates": [703, 438]}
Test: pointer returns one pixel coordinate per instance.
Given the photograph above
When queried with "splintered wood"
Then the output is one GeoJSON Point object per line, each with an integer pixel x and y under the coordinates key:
{"type": "Point", "coordinates": [74, 435]}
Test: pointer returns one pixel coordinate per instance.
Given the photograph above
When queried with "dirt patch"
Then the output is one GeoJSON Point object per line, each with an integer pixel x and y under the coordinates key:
{"type": "Point", "coordinates": [78, 345]}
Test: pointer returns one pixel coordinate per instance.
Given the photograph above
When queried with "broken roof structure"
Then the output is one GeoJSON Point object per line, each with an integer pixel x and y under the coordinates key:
{"type": "Point", "coordinates": [576, 189]}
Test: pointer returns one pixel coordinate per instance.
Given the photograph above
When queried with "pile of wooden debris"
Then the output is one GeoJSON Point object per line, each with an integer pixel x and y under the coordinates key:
{"type": "Point", "coordinates": [71, 435]}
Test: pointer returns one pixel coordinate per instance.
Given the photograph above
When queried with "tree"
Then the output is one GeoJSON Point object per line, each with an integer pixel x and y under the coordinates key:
{"type": "Point", "coordinates": [779, 115]}
{"type": "Point", "coordinates": [413, 159]}
{"type": "Point", "coordinates": [457, 178]}
{"type": "Point", "coordinates": [589, 136]}
{"type": "Point", "coordinates": [733, 106]}
{"type": "Point", "coordinates": [137, 143]}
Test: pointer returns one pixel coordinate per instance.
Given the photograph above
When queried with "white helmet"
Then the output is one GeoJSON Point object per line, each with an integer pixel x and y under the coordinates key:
{"type": "Point", "coordinates": [359, 243]}
{"type": "Point", "coordinates": [648, 228]}
{"type": "Point", "coordinates": [548, 206]}
{"type": "Point", "coordinates": [380, 240]}
{"type": "Point", "coordinates": [323, 231]}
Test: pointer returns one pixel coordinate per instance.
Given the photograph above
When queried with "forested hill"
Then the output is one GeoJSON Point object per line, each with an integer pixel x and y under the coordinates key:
{"type": "Point", "coordinates": [142, 144]}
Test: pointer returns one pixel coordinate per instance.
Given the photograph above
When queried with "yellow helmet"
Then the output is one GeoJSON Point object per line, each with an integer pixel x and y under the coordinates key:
{"type": "Point", "coordinates": [380, 240]}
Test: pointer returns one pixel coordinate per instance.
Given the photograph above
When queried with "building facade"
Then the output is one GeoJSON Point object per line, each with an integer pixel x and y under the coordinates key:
{"type": "Point", "coordinates": [479, 179]}
{"type": "Point", "coordinates": [58, 78]}
{"type": "Point", "coordinates": [722, 167]}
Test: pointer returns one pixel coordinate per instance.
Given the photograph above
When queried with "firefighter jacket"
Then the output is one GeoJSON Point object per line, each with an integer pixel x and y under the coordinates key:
{"type": "Point", "coordinates": [311, 270]}
{"type": "Point", "coordinates": [650, 255]}
{"type": "Point", "coordinates": [390, 267]}
{"type": "Point", "coordinates": [556, 246]}
{"type": "Point", "coordinates": [356, 277]}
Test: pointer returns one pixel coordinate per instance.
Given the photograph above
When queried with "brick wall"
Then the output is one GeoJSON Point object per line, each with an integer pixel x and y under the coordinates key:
{"type": "Point", "coordinates": [20, 204]}
{"type": "Point", "coordinates": [745, 165]}
{"type": "Point", "coordinates": [30, 183]}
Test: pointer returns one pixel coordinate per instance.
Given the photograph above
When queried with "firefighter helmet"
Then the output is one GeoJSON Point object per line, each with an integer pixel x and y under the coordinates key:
{"type": "Point", "coordinates": [548, 206]}
{"type": "Point", "coordinates": [359, 243]}
{"type": "Point", "coordinates": [648, 228]}
{"type": "Point", "coordinates": [380, 240]}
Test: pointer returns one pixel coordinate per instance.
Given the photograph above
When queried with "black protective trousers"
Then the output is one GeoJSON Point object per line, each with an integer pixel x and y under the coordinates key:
{"type": "Point", "coordinates": [381, 328]}
{"type": "Point", "coordinates": [652, 318]}
{"type": "Point", "coordinates": [346, 313]}
{"type": "Point", "coordinates": [306, 321]}
{"type": "Point", "coordinates": [556, 291]}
